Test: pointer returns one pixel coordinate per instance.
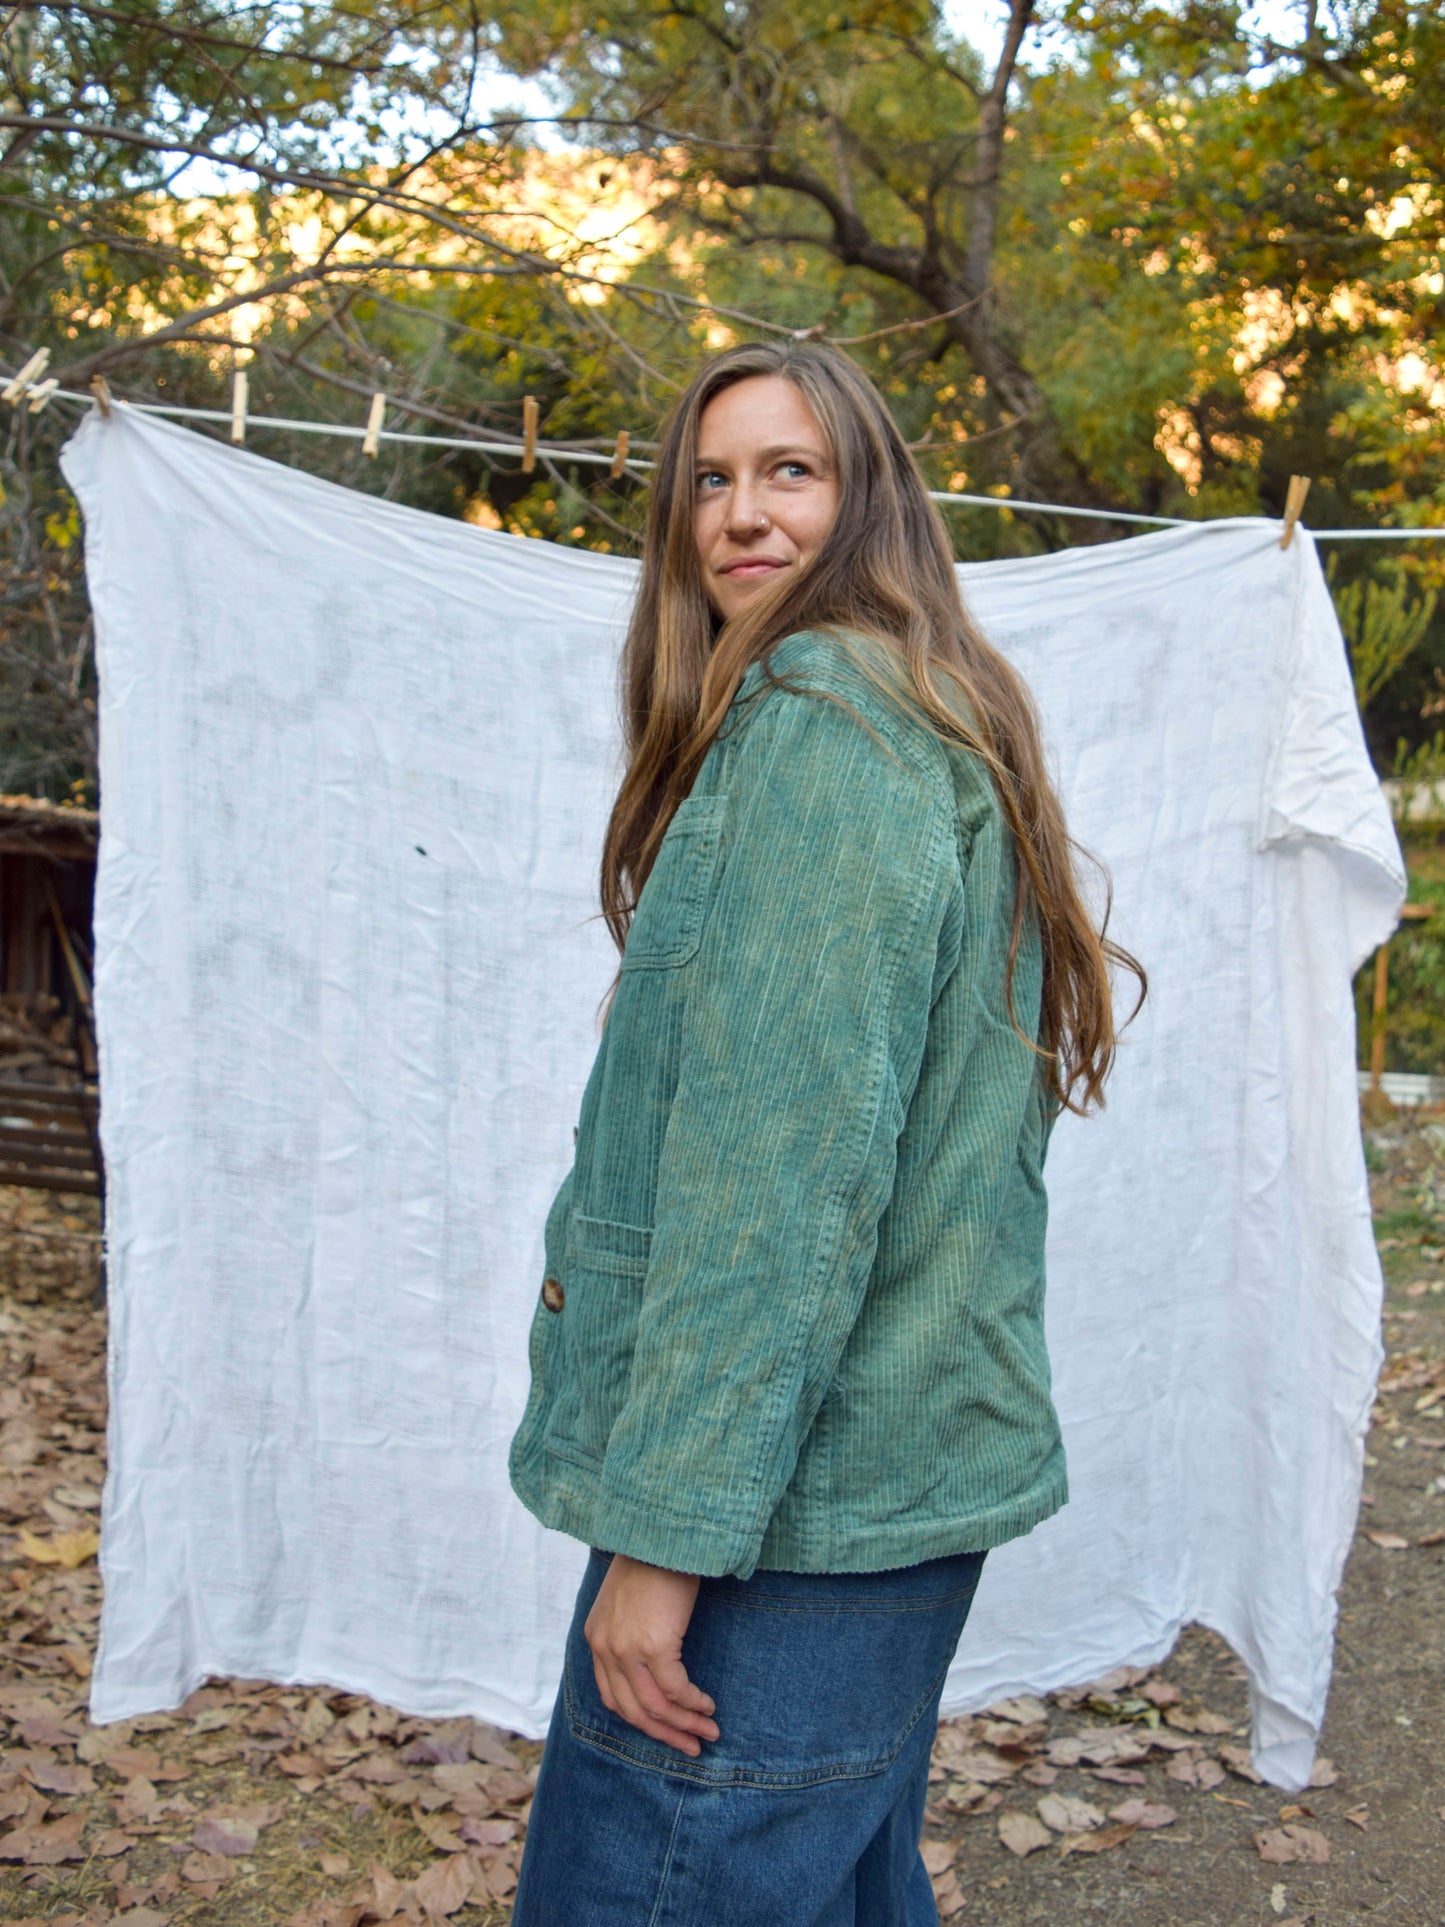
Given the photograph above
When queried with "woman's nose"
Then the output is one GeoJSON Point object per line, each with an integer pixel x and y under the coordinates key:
{"type": "Point", "coordinates": [745, 509]}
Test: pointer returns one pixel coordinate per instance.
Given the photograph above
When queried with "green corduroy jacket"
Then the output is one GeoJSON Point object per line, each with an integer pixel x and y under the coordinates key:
{"type": "Point", "coordinates": [792, 1312]}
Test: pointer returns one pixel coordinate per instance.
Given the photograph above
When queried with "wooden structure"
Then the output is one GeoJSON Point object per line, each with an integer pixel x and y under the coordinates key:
{"type": "Point", "coordinates": [48, 1070]}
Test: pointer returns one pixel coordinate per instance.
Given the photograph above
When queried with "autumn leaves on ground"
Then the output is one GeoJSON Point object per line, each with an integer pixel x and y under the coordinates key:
{"type": "Point", "coordinates": [1130, 1799]}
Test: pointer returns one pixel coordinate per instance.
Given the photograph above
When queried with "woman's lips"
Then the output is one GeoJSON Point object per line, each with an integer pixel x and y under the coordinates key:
{"type": "Point", "coordinates": [752, 568]}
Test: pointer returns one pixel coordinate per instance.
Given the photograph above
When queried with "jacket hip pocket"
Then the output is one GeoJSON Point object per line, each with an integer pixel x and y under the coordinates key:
{"type": "Point", "coordinates": [602, 1273]}
{"type": "Point", "coordinates": [668, 923]}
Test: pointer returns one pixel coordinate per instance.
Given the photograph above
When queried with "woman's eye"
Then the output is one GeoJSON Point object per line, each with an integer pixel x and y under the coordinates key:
{"type": "Point", "coordinates": [709, 477]}
{"type": "Point", "coordinates": [796, 471]}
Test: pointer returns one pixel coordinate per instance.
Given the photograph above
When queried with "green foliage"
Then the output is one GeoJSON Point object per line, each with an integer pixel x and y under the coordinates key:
{"type": "Point", "coordinates": [1419, 775]}
{"type": "Point", "coordinates": [1415, 1012]}
{"type": "Point", "coordinates": [1384, 625]}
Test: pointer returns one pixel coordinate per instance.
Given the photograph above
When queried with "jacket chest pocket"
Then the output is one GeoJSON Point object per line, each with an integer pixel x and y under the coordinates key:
{"type": "Point", "coordinates": [667, 924]}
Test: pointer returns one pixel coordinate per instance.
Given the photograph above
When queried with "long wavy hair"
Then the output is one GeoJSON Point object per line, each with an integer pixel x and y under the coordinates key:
{"type": "Point", "coordinates": [884, 571]}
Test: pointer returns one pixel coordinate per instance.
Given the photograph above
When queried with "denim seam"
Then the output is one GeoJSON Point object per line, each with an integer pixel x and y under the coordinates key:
{"type": "Point", "coordinates": [777, 1605]}
{"type": "Point", "coordinates": [652, 1918]}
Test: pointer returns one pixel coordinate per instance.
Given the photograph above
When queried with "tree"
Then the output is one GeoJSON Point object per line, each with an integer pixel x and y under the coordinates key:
{"type": "Point", "coordinates": [1153, 260]}
{"type": "Point", "coordinates": [872, 137]}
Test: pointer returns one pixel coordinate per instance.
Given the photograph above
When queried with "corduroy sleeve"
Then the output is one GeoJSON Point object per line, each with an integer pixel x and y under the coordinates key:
{"type": "Point", "coordinates": [804, 1029]}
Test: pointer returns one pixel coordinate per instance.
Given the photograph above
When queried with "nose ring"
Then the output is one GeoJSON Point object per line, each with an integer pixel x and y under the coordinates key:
{"type": "Point", "coordinates": [763, 522]}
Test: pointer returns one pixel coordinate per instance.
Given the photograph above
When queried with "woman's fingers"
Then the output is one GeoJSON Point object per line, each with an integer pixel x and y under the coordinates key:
{"type": "Point", "coordinates": [670, 1677]}
{"type": "Point", "coordinates": [654, 1683]}
{"type": "Point", "coordinates": [620, 1695]}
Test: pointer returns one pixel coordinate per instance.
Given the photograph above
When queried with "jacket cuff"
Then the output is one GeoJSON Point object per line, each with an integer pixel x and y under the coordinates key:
{"type": "Point", "coordinates": [658, 1538]}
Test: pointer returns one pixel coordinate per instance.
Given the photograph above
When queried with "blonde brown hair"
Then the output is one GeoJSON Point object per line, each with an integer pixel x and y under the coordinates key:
{"type": "Point", "coordinates": [886, 571]}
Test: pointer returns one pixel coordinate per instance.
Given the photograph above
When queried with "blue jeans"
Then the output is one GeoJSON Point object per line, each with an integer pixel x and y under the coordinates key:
{"type": "Point", "coordinates": [806, 1812]}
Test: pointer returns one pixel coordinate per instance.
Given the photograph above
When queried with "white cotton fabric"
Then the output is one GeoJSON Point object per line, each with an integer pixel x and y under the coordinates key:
{"type": "Point", "coordinates": [356, 763]}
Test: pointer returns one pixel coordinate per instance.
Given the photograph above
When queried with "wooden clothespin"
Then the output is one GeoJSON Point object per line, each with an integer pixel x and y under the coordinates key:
{"type": "Point", "coordinates": [371, 440]}
{"type": "Point", "coordinates": [619, 454]}
{"type": "Point", "coordinates": [100, 388]}
{"type": "Point", "coordinates": [240, 397]}
{"type": "Point", "coordinates": [529, 433]}
{"type": "Point", "coordinates": [19, 384]}
{"type": "Point", "coordinates": [40, 394]}
{"type": "Point", "coordinates": [1294, 501]}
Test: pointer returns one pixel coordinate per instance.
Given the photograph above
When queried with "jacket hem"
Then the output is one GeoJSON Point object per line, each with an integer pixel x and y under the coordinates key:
{"type": "Point", "coordinates": [564, 1496]}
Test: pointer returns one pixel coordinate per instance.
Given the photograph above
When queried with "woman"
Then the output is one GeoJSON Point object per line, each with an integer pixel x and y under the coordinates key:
{"type": "Point", "coordinates": [789, 1376]}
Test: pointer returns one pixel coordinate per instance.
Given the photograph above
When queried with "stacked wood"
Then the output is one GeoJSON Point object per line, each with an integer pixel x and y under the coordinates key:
{"type": "Point", "coordinates": [48, 1099]}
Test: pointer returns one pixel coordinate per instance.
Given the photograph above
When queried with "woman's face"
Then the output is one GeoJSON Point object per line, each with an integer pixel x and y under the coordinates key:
{"type": "Point", "coordinates": [765, 491]}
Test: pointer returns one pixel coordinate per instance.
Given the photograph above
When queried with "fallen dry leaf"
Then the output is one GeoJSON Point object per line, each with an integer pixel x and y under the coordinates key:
{"type": "Point", "coordinates": [1144, 1813]}
{"type": "Point", "coordinates": [103, 1747]}
{"type": "Point", "coordinates": [441, 1830]}
{"type": "Point", "coordinates": [1359, 1817]}
{"type": "Point", "coordinates": [1067, 1814]}
{"type": "Point", "coordinates": [1024, 1710]}
{"type": "Point", "coordinates": [23, 1804]}
{"type": "Point", "coordinates": [1118, 1746]}
{"type": "Point", "coordinates": [1323, 1773]}
{"type": "Point", "coordinates": [1282, 1846]}
{"type": "Point", "coordinates": [389, 1895]}
{"type": "Point", "coordinates": [377, 1770]}
{"type": "Point", "coordinates": [948, 1895]}
{"type": "Point", "coordinates": [488, 1746]}
{"type": "Point", "coordinates": [1387, 1541]}
{"type": "Point", "coordinates": [1237, 1759]}
{"type": "Point", "coordinates": [488, 1833]}
{"type": "Point", "coordinates": [232, 1831]}
{"type": "Point", "coordinates": [984, 1765]}
{"type": "Point", "coordinates": [225, 1834]}
{"type": "Point", "coordinates": [46, 1843]}
{"type": "Point", "coordinates": [1022, 1833]}
{"type": "Point", "coordinates": [202, 1869]}
{"type": "Point", "coordinates": [68, 1549]}
{"type": "Point", "coordinates": [1196, 1719]}
{"type": "Point", "coordinates": [445, 1887]}
{"type": "Point", "coordinates": [1099, 1842]}
{"type": "Point", "coordinates": [1159, 1692]}
{"type": "Point", "coordinates": [497, 1874]}
{"type": "Point", "coordinates": [937, 1854]}
{"type": "Point", "coordinates": [54, 1778]}
{"type": "Point", "coordinates": [137, 1803]}
{"type": "Point", "coordinates": [1432, 1539]}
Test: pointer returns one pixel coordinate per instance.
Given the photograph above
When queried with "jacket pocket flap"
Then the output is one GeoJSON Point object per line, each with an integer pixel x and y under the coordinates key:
{"type": "Point", "coordinates": [596, 1244]}
{"type": "Point", "coordinates": [667, 923]}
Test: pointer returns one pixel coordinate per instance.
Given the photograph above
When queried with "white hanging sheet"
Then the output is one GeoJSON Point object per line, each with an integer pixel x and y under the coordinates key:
{"type": "Point", "coordinates": [356, 763]}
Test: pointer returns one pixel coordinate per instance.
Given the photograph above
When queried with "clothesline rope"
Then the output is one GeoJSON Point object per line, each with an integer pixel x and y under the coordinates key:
{"type": "Point", "coordinates": [20, 390]}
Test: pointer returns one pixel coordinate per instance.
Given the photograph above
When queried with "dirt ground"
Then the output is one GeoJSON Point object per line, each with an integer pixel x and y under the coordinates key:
{"type": "Point", "coordinates": [1131, 1802]}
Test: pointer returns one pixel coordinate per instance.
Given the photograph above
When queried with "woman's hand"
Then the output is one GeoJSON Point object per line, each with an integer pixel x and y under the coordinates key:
{"type": "Point", "coordinates": [635, 1630]}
